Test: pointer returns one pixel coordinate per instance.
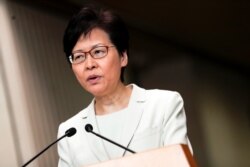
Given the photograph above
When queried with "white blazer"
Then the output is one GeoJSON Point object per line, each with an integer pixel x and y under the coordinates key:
{"type": "Point", "coordinates": [154, 118]}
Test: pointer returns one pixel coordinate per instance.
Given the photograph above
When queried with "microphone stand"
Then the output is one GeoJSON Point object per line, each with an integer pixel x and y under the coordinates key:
{"type": "Point", "coordinates": [68, 133]}
{"type": "Point", "coordinates": [89, 128]}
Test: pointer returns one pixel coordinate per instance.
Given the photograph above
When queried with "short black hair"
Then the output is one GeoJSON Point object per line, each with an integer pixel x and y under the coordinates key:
{"type": "Point", "coordinates": [90, 17]}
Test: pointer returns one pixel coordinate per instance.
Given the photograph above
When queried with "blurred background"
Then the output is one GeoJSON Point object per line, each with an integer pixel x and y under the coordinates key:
{"type": "Point", "coordinates": [198, 48]}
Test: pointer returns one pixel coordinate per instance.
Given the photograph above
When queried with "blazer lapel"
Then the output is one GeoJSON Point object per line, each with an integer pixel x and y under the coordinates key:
{"type": "Point", "coordinates": [95, 143]}
{"type": "Point", "coordinates": [133, 116]}
{"type": "Point", "coordinates": [132, 120]}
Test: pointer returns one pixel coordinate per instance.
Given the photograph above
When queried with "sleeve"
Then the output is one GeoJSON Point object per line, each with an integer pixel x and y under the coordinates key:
{"type": "Point", "coordinates": [174, 124]}
{"type": "Point", "coordinates": [63, 151]}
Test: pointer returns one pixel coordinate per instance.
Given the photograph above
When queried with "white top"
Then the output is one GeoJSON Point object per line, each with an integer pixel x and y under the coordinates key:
{"type": "Point", "coordinates": [110, 126]}
{"type": "Point", "coordinates": [153, 119]}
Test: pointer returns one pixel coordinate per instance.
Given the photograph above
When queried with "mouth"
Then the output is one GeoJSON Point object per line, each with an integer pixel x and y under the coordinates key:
{"type": "Point", "coordinates": [93, 79]}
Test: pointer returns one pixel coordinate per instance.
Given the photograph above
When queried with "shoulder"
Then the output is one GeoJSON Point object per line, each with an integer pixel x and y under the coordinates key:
{"type": "Point", "coordinates": [165, 96]}
{"type": "Point", "coordinates": [159, 94]}
{"type": "Point", "coordinates": [74, 121]}
{"type": "Point", "coordinates": [163, 93]}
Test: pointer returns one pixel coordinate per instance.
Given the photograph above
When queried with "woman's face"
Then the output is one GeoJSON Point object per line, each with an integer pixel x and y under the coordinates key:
{"type": "Point", "coordinates": [101, 76]}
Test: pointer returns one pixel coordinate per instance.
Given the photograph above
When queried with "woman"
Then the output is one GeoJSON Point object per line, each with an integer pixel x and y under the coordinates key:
{"type": "Point", "coordinates": [96, 45]}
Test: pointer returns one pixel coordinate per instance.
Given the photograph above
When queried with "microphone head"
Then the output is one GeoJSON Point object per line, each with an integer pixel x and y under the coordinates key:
{"type": "Point", "coordinates": [88, 128]}
{"type": "Point", "coordinates": [70, 132]}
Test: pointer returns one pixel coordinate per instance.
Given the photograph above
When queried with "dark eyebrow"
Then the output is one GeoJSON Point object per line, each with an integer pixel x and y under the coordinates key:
{"type": "Point", "coordinates": [94, 46]}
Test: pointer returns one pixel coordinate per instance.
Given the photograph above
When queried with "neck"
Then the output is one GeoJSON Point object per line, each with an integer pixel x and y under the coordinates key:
{"type": "Point", "coordinates": [114, 101]}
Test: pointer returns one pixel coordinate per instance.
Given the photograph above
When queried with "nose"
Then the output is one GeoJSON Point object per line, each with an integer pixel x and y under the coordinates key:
{"type": "Point", "coordinates": [90, 63]}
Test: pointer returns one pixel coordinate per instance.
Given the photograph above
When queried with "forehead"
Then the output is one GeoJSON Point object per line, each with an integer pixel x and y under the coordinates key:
{"type": "Point", "coordinates": [93, 38]}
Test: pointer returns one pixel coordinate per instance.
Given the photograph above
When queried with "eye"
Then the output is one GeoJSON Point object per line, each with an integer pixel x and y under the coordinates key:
{"type": "Point", "coordinates": [99, 52]}
{"type": "Point", "coordinates": [78, 57]}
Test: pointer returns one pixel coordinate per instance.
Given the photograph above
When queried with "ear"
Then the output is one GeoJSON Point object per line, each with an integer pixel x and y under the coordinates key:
{"type": "Point", "coordinates": [124, 59]}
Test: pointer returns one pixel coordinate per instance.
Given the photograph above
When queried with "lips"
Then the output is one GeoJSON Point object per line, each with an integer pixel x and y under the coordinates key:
{"type": "Point", "coordinates": [93, 79]}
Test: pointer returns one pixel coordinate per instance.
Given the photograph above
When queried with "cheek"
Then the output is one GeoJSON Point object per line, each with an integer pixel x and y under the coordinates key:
{"type": "Point", "coordinates": [78, 74]}
{"type": "Point", "coordinates": [113, 69]}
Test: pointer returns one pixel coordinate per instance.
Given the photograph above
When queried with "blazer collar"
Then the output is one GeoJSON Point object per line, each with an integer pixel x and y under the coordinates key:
{"type": "Point", "coordinates": [95, 143]}
{"type": "Point", "coordinates": [132, 120]}
{"type": "Point", "coordinates": [133, 116]}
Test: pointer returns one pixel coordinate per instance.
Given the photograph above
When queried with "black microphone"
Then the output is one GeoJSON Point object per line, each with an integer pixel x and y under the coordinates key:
{"type": "Point", "coordinates": [70, 132]}
{"type": "Point", "coordinates": [89, 128]}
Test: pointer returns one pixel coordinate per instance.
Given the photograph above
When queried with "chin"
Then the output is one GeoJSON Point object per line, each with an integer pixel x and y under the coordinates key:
{"type": "Point", "coordinates": [96, 90]}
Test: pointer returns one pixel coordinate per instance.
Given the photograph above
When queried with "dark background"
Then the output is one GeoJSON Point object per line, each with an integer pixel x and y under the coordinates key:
{"type": "Point", "coordinates": [198, 48]}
